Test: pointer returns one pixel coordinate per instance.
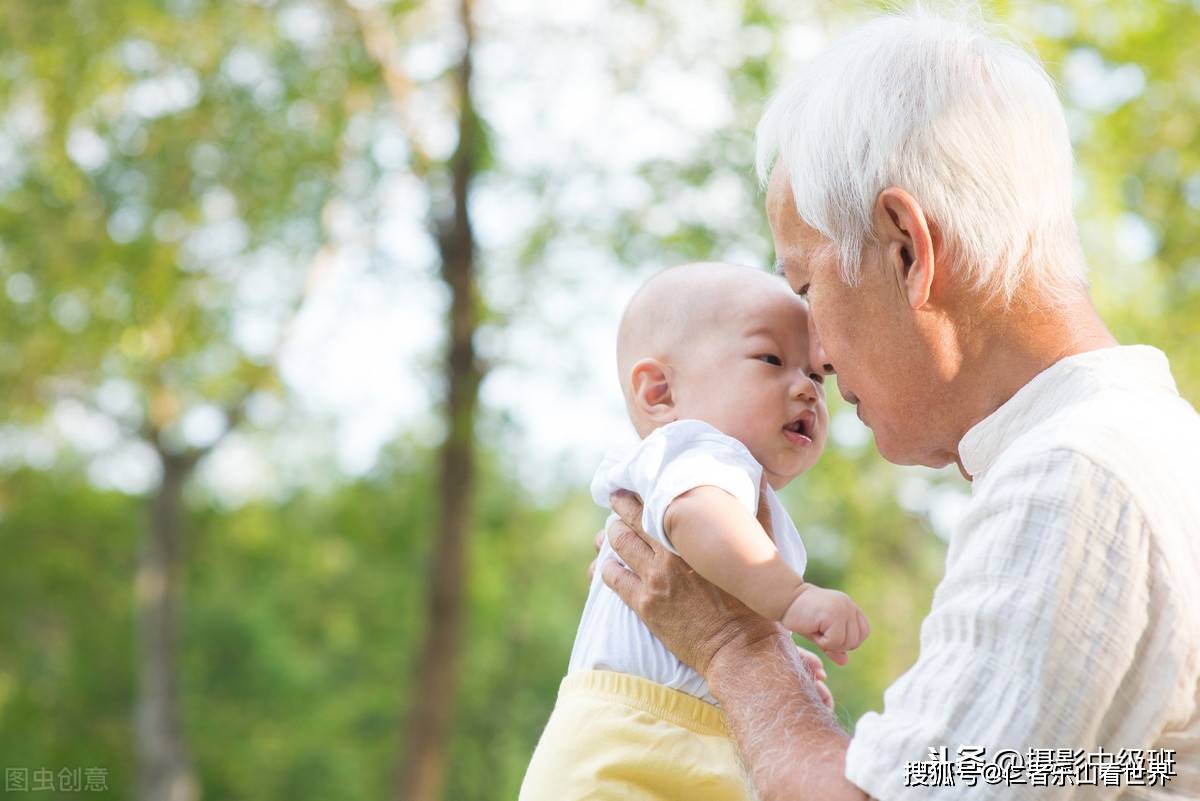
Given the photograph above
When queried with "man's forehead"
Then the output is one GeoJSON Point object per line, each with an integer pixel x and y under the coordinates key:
{"type": "Point", "coordinates": [794, 240]}
{"type": "Point", "coordinates": [779, 196]}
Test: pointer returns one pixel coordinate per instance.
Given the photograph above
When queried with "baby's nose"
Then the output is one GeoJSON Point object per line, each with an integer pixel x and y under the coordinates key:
{"type": "Point", "coordinates": [804, 387]}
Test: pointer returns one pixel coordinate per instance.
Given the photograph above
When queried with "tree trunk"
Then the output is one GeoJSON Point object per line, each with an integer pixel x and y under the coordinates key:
{"type": "Point", "coordinates": [164, 768]}
{"type": "Point", "coordinates": [423, 764]}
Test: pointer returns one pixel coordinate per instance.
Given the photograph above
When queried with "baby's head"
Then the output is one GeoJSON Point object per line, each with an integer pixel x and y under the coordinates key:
{"type": "Point", "coordinates": [727, 345]}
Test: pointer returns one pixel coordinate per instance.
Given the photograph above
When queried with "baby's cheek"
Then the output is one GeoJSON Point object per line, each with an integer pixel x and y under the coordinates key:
{"type": "Point", "coordinates": [749, 437]}
{"type": "Point", "coordinates": [765, 444]}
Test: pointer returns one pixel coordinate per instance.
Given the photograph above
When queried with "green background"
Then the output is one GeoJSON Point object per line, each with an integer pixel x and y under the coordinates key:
{"type": "Point", "coordinates": [302, 608]}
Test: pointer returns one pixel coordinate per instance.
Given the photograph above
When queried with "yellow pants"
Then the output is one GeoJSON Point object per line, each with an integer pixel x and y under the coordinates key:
{"type": "Point", "coordinates": [616, 736]}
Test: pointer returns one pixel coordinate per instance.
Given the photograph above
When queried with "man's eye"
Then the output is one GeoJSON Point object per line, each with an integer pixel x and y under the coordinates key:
{"type": "Point", "coordinates": [770, 358]}
{"type": "Point", "coordinates": [803, 291]}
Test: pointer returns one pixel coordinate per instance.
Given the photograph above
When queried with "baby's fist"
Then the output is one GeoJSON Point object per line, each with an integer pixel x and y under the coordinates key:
{"type": "Point", "coordinates": [829, 618]}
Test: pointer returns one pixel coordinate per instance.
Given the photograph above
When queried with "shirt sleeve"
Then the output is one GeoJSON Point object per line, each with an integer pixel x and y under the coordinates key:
{"type": "Point", "coordinates": [1031, 635]}
{"type": "Point", "coordinates": [674, 459]}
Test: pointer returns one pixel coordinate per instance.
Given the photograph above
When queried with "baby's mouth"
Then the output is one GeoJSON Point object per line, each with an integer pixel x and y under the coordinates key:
{"type": "Point", "coordinates": [800, 430]}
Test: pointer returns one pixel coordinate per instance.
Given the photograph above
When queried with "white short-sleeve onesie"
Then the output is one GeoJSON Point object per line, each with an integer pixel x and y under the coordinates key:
{"type": "Point", "coordinates": [673, 459]}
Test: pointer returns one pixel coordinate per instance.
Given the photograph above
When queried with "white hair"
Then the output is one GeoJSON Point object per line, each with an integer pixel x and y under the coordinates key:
{"type": "Point", "coordinates": [967, 122]}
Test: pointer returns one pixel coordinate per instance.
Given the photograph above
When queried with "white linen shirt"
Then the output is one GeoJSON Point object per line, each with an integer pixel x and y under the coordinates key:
{"type": "Point", "coordinates": [1069, 613]}
{"type": "Point", "coordinates": [670, 461]}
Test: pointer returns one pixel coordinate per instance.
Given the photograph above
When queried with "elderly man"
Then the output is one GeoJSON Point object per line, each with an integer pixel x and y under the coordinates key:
{"type": "Point", "coordinates": [919, 196]}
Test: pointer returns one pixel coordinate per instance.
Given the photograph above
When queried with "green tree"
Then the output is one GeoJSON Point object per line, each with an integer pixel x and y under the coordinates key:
{"type": "Point", "coordinates": [1129, 77]}
{"type": "Point", "coordinates": [423, 762]}
{"type": "Point", "coordinates": [174, 175]}
{"type": "Point", "coordinates": [161, 159]}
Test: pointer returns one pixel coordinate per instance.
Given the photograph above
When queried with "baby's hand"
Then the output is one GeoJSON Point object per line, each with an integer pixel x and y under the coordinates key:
{"type": "Point", "coordinates": [829, 618]}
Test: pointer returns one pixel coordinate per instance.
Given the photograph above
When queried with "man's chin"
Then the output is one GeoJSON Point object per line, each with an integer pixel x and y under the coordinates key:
{"type": "Point", "coordinates": [909, 455]}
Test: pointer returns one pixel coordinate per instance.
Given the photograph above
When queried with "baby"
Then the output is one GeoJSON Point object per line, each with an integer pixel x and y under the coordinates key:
{"type": "Point", "coordinates": [714, 364]}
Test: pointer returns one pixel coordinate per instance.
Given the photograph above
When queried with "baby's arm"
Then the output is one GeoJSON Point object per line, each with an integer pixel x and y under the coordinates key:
{"type": "Point", "coordinates": [725, 544]}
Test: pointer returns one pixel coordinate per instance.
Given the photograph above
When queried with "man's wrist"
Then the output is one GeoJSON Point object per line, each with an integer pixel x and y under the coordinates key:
{"type": "Point", "coordinates": [770, 697]}
{"type": "Point", "coordinates": [745, 648]}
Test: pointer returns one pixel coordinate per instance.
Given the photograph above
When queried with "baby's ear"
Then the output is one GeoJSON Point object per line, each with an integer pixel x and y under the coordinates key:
{"type": "Point", "coordinates": [650, 381]}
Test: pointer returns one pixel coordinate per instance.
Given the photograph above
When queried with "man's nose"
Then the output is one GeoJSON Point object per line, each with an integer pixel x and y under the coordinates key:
{"type": "Point", "coordinates": [816, 351]}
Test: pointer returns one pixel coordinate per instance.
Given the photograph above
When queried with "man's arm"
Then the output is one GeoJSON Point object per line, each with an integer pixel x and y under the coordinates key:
{"type": "Point", "coordinates": [1038, 637]}
{"type": "Point", "coordinates": [792, 746]}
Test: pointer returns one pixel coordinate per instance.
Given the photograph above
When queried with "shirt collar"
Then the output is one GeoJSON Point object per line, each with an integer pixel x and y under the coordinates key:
{"type": "Point", "coordinates": [1065, 382]}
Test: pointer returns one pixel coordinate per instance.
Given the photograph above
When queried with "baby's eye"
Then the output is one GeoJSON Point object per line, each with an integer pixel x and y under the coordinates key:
{"type": "Point", "coordinates": [817, 378]}
{"type": "Point", "coordinates": [770, 358]}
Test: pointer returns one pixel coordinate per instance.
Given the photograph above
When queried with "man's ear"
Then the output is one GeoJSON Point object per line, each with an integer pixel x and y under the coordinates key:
{"type": "Point", "coordinates": [650, 382]}
{"type": "Point", "coordinates": [906, 238]}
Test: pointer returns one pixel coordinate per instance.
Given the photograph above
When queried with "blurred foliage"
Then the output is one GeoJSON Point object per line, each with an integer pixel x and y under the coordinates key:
{"type": "Point", "coordinates": [148, 152]}
{"type": "Point", "coordinates": [156, 156]}
{"type": "Point", "coordinates": [1137, 144]}
{"type": "Point", "coordinates": [299, 629]}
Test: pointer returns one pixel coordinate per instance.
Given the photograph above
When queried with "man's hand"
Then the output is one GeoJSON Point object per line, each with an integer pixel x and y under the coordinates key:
{"type": "Point", "coordinates": [694, 618]}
